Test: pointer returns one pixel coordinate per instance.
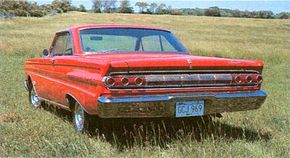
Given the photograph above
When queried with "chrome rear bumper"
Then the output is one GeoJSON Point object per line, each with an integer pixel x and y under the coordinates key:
{"type": "Point", "coordinates": [142, 106]}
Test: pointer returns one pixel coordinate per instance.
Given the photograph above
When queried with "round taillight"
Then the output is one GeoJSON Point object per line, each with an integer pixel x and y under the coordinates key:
{"type": "Point", "coordinates": [110, 81]}
{"type": "Point", "coordinates": [125, 81]}
{"type": "Point", "coordinates": [139, 81]}
{"type": "Point", "coordinates": [238, 79]}
{"type": "Point", "coordinates": [259, 79]}
{"type": "Point", "coordinates": [249, 79]}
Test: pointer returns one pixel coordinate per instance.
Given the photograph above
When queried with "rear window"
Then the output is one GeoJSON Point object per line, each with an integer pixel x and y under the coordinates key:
{"type": "Point", "coordinates": [106, 40]}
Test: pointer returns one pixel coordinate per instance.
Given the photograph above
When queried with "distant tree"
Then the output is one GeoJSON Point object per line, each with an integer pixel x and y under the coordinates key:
{"type": "Point", "coordinates": [97, 6]}
{"type": "Point", "coordinates": [62, 6]}
{"type": "Point", "coordinates": [266, 14]}
{"type": "Point", "coordinates": [236, 13]}
{"type": "Point", "coordinates": [152, 7]}
{"type": "Point", "coordinates": [283, 15]}
{"type": "Point", "coordinates": [199, 12]}
{"type": "Point", "coordinates": [160, 8]}
{"type": "Point", "coordinates": [46, 8]}
{"type": "Point", "coordinates": [82, 8]}
{"type": "Point", "coordinates": [109, 6]}
{"type": "Point", "coordinates": [212, 11]}
{"type": "Point", "coordinates": [125, 7]}
{"type": "Point", "coordinates": [142, 6]}
{"type": "Point", "coordinates": [175, 11]}
{"type": "Point", "coordinates": [163, 9]}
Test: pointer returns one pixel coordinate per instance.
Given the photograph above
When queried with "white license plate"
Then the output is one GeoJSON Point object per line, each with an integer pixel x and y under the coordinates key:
{"type": "Point", "coordinates": [189, 108]}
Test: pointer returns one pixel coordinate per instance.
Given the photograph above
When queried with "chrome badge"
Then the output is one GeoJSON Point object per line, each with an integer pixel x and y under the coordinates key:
{"type": "Point", "coordinates": [189, 62]}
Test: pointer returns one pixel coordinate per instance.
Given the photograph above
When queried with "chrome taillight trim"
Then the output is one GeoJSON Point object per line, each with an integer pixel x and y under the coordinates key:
{"type": "Point", "coordinates": [257, 79]}
{"type": "Point", "coordinates": [237, 79]}
{"type": "Point", "coordinates": [249, 79]}
{"type": "Point", "coordinates": [139, 84]}
{"type": "Point", "coordinates": [125, 81]}
{"type": "Point", "coordinates": [105, 81]}
{"type": "Point", "coordinates": [184, 80]}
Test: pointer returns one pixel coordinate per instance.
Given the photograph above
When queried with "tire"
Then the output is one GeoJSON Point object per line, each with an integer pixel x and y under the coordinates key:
{"type": "Point", "coordinates": [34, 100]}
{"type": "Point", "coordinates": [83, 122]}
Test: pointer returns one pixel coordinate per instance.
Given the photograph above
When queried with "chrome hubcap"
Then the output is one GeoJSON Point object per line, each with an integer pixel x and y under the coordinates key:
{"type": "Point", "coordinates": [79, 118]}
{"type": "Point", "coordinates": [35, 101]}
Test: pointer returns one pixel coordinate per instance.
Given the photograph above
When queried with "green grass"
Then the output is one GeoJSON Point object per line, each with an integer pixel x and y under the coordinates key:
{"type": "Point", "coordinates": [259, 133]}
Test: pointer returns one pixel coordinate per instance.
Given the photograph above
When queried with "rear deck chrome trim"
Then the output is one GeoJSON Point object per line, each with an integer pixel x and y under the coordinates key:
{"type": "Point", "coordinates": [179, 88]}
{"type": "Point", "coordinates": [182, 71]}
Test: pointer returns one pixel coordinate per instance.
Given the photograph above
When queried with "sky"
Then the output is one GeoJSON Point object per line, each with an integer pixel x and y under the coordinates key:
{"type": "Point", "coordinates": [275, 6]}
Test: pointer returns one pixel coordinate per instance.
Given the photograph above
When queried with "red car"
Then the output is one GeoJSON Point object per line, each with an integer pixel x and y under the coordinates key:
{"type": "Point", "coordinates": [126, 71]}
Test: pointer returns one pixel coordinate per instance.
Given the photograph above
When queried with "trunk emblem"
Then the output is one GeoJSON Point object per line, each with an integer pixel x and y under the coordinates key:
{"type": "Point", "coordinates": [189, 62]}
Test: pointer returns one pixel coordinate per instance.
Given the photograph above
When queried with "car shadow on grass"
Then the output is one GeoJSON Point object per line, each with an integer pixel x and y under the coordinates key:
{"type": "Point", "coordinates": [129, 133]}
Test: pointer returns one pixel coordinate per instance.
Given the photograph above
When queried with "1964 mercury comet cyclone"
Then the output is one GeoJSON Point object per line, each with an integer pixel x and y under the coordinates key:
{"type": "Point", "coordinates": [125, 71]}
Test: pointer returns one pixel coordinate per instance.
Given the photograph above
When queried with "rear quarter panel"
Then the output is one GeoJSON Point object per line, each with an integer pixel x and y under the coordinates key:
{"type": "Point", "coordinates": [69, 75]}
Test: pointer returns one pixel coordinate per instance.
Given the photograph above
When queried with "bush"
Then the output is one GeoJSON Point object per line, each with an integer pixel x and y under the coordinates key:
{"type": "Point", "coordinates": [175, 12]}
{"type": "Point", "coordinates": [37, 13]}
{"type": "Point", "coordinates": [283, 15]}
{"type": "Point", "coordinates": [212, 11]}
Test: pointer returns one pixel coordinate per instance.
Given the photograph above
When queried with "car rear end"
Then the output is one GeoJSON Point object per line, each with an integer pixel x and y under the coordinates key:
{"type": "Point", "coordinates": [181, 89]}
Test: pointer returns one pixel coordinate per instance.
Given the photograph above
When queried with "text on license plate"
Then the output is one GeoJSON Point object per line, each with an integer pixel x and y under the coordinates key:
{"type": "Point", "coordinates": [189, 108]}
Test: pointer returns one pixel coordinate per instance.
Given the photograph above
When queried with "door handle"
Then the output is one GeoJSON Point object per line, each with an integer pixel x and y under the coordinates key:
{"type": "Point", "coordinates": [52, 61]}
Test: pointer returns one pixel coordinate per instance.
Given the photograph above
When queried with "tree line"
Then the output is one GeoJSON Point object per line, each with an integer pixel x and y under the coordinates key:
{"type": "Point", "coordinates": [153, 8]}
{"type": "Point", "coordinates": [220, 12]}
{"type": "Point", "coordinates": [28, 8]}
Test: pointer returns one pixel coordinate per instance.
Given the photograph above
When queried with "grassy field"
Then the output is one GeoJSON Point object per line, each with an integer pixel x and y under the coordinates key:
{"type": "Point", "coordinates": [260, 133]}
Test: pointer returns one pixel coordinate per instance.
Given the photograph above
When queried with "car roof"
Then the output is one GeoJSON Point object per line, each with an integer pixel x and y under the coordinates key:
{"type": "Point", "coordinates": [90, 26]}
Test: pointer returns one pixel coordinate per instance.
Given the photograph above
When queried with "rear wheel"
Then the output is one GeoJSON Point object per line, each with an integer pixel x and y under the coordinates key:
{"type": "Point", "coordinates": [34, 100]}
{"type": "Point", "coordinates": [83, 122]}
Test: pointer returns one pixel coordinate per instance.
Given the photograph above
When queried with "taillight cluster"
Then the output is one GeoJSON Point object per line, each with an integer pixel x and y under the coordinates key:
{"type": "Point", "coordinates": [182, 80]}
{"type": "Point", "coordinates": [247, 79]}
{"type": "Point", "coordinates": [124, 81]}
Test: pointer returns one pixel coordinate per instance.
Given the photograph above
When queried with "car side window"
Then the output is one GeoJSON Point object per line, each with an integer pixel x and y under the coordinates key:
{"type": "Point", "coordinates": [151, 43]}
{"type": "Point", "coordinates": [156, 43]}
{"type": "Point", "coordinates": [167, 47]}
{"type": "Point", "coordinates": [62, 45]}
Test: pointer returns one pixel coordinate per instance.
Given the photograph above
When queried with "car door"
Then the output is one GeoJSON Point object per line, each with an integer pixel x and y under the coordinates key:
{"type": "Point", "coordinates": [62, 52]}
{"type": "Point", "coordinates": [40, 72]}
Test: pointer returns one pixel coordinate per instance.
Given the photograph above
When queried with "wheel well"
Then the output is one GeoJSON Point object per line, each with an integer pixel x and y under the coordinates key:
{"type": "Point", "coordinates": [71, 101]}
